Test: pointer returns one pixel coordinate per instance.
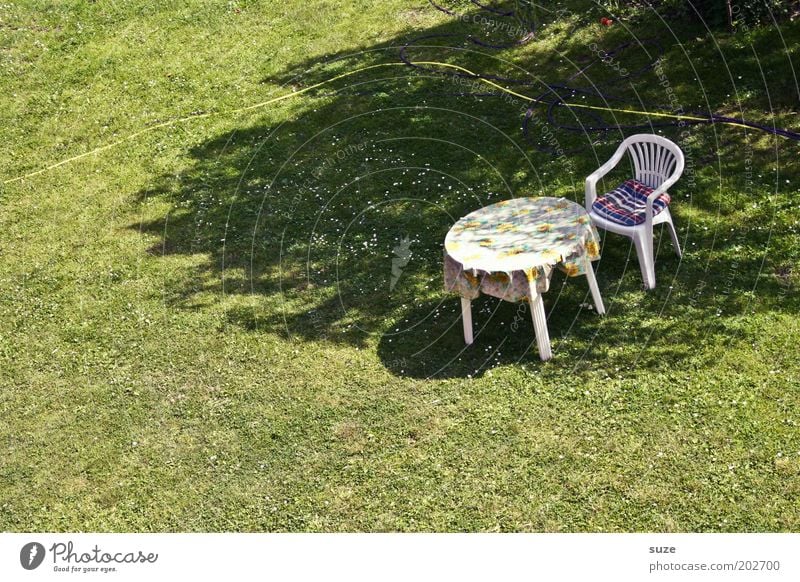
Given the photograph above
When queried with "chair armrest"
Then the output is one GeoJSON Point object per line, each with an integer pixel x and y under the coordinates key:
{"type": "Point", "coordinates": [594, 177]}
{"type": "Point", "coordinates": [655, 194]}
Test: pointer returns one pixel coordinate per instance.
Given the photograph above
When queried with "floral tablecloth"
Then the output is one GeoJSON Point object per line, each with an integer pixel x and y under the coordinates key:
{"type": "Point", "coordinates": [502, 249]}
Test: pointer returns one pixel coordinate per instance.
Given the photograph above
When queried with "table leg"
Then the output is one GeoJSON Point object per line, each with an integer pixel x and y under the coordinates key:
{"type": "Point", "coordinates": [539, 322]}
{"type": "Point", "coordinates": [598, 299]}
{"type": "Point", "coordinates": [466, 316]}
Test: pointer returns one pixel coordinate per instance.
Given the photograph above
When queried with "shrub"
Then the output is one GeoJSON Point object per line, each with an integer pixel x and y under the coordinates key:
{"type": "Point", "coordinates": [732, 14]}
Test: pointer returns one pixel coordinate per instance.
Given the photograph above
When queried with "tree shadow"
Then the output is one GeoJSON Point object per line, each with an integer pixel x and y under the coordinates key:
{"type": "Point", "coordinates": [324, 221]}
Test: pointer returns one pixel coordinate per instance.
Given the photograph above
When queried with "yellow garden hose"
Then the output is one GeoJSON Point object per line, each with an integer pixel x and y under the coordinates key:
{"type": "Point", "coordinates": [336, 78]}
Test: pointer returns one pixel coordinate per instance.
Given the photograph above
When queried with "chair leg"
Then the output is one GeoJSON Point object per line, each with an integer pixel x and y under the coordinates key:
{"type": "Point", "coordinates": [674, 236]}
{"type": "Point", "coordinates": [598, 299]}
{"type": "Point", "coordinates": [466, 317]}
{"type": "Point", "coordinates": [644, 252]}
{"type": "Point", "coordinates": [539, 322]}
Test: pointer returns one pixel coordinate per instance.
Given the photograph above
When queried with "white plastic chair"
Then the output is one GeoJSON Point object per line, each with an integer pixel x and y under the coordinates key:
{"type": "Point", "coordinates": [658, 163]}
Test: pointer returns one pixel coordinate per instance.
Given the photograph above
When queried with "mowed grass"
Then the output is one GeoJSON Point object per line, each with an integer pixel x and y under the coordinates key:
{"type": "Point", "coordinates": [198, 327]}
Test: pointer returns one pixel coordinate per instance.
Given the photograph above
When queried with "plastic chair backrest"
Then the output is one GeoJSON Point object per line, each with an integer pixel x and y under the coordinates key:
{"type": "Point", "coordinates": [655, 158]}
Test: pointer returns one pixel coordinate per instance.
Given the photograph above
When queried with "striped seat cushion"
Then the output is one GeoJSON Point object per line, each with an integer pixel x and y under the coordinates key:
{"type": "Point", "coordinates": [626, 203]}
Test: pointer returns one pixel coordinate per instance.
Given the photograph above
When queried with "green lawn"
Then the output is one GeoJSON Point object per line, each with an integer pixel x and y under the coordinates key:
{"type": "Point", "coordinates": [197, 330]}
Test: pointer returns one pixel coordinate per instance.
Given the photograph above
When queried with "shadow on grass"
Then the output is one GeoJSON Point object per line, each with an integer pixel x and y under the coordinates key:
{"type": "Point", "coordinates": [332, 222]}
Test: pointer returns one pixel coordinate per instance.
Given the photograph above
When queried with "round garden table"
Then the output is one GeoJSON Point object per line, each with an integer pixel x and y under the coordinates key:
{"type": "Point", "coordinates": [510, 249]}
